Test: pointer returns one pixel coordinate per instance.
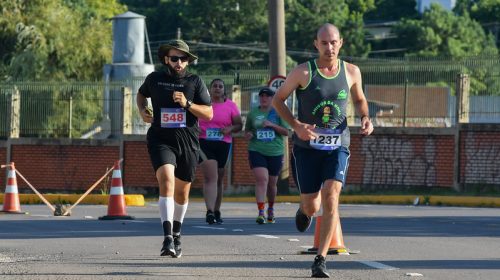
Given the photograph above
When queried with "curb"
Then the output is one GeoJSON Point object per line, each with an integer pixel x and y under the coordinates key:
{"type": "Point", "coordinates": [138, 199]}
{"type": "Point", "coordinates": [97, 199]}
{"type": "Point", "coordinates": [435, 200]}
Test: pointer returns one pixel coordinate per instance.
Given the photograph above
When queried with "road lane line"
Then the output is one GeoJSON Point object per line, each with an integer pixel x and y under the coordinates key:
{"type": "Point", "coordinates": [378, 265]}
{"type": "Point", "coordinates": [213, 228]}
{"type": "Point", "coordinates": [266, 236]}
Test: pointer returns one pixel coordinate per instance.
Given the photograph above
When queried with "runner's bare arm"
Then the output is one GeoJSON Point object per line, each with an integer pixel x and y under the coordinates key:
{"type": "Point", "coordinates": [204, 112]}
{"type": "Point", "coordinates": [298, 77]}
{"type": "Point", "coordinates": [295, 79]}
{"type": "Point", "coordinates": [359, 99]}
{"type": "Point", "coordinates": [142, 106]}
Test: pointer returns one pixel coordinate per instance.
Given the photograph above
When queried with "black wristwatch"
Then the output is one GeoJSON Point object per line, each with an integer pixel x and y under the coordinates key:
{"type": "Point", "coordinates": [188, 104]}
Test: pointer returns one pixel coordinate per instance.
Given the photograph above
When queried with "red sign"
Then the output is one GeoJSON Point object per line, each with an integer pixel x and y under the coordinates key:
{"type": "Point", "coordinates": [276, 81]}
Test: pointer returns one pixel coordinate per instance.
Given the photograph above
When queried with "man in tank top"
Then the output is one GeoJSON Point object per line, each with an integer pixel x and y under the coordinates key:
{"type": "Point", "coordinates": [321, 137]}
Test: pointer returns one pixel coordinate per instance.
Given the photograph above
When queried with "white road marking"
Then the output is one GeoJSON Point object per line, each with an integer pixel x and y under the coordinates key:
{"type": "Point", "coordinates": [5, 259]}
{"type": "Point", "coordinates": [414, 274]}
{"type": "Point", "coordinates": [265, 236]}
{"type": "Point", "coordinates": [213, 228]}
{"type": "Point", "coordinates": [378, 265]}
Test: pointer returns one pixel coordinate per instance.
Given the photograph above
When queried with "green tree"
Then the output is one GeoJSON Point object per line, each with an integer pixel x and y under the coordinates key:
{"type": "Point", "coordinates": [304, 17]}
{"type": "Point", "coordinates": [56, 39]}
{"type": "Point", "coordinates": [392, 10]}
{"type": "Point", "coordinates": [486, 12]}
{"type": "Point", "coordinates": [441, 33]}
{"type": "Point", "coordinates": [236, 32]}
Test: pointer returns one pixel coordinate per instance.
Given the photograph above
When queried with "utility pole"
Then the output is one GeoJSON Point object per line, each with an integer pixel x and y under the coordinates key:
{"type": "Point", "coordinates": [277, 61]}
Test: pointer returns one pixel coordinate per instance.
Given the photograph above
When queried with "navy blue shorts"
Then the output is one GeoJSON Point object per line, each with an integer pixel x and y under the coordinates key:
{"type": "Point", "coordinates": [311, 168]}
{"type": "Point", "coordinates": [272, 163]}
{"type": "Point", "coordinates": [216, 150]}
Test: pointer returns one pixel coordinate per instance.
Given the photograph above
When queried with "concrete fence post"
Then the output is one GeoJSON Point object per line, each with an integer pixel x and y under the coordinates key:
{"type": "Point", "coordinates": [462, 98]}
{"type": "Point", "coordinates": [127, 110]}
{"type": "Point", "coordinates": [461, 116]}
{"type": "Point", "coordinates": [14, 111]}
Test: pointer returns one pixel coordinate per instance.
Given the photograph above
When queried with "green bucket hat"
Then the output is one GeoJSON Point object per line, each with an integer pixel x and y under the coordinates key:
{"type": "Point", "coordinates": [178, 45]}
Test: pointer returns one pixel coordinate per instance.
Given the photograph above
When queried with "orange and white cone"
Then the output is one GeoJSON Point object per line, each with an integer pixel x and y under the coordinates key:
{"type": "Point", "coordinates": [337, 246]}
{"type": "Point", "coordinates": [116, 204]}
{"type": "Point", "coordinates": [11, 203]}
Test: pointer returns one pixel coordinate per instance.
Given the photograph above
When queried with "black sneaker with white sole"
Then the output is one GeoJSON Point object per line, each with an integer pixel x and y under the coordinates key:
{"type": "Point", "coordinates": [318, 268]}
{"type": "Point", "coordinates": [218, 218]}
{"type": "Point", "coordinates": [168, 246]}
{"type": "Point", "coordinates": [177, 246]}
{"type": "Point", "coordinates": [302, 221]}
{"type": "Point", "coordinates": [210, 218]}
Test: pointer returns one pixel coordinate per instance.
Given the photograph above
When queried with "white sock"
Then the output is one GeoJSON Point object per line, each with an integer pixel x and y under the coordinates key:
{"type": "Point", "coordinates": [180, 212]}
{"type": "Point", "coordinates": [166, 205]}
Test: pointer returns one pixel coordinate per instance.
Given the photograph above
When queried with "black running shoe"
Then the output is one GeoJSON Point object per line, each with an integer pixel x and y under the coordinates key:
{"type": "Point", "coordinates": [168, 246]}
{"type": "Point", "coordinates": [318, 268]}
{"type": "Point", "coordinates": [218, 219]}
{"type": "Point", "coordinates": [177, 246]}
{"type": "Point", "coordinates": [302, 221]}
{"type": "Point", "coordinates": [210, 217]}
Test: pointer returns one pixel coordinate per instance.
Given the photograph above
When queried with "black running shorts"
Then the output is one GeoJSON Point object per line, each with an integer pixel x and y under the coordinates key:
{"type": "Point", "coordinates": [216, 150]}
{"type": "Point", "coordinates": [272, 163]}
{"type": "Point", "coordinates": [184, 158]}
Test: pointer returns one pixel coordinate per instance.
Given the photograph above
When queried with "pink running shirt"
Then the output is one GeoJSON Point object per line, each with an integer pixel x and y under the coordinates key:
{"type": "Point", "coordinates": [223, 116]}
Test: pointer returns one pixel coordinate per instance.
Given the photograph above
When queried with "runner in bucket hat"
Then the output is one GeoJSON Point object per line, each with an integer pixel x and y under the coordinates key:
{"type": "Point", "coordinates": [178, 45]}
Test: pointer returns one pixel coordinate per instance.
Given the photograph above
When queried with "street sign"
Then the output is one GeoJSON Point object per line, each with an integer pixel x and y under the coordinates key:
{"type": "Point", "coordinates": [276, 81]}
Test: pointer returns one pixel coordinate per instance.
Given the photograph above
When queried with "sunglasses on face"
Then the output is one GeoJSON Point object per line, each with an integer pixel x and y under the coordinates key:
{"type": "Point", "coordinates": [176, 58]}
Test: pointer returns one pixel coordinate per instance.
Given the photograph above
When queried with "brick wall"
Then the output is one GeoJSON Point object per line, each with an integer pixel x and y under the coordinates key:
{"type": "Point", "coordinates": [137, 169]}
{"type": "Point", "coordinates": [390, 157]}
{"type": "Point", "coordinates": [403, 160]}
{"type": "Point", "coordinates": [480, 158]}
{"type": "Point", "coordinates": [62, 165]}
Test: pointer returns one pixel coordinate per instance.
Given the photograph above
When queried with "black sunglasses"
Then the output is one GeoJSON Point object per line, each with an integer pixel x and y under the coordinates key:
{"type": "Point", "coordinates": [176, 58]}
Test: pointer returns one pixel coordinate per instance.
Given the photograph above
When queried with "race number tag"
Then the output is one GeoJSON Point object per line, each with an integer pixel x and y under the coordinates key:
{"type": "Point", "coordinates": [328, 139]}
{"type": "Point", "coordinates": [214, 134]}
{"type": "Point", "coordinates": [265, 134]}
{"type": "Point", "coordinates": [173, 117]}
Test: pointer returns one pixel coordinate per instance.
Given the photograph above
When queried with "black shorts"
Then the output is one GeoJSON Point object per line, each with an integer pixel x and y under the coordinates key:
{"type": "Point", "coordinates": [183, 158]}
{"type": "Point", "coordinates": [272, 163]}
{"type": "Point", "coordinates": [216, 150]}
{"type": "Point", "coordinates": [311, 167]}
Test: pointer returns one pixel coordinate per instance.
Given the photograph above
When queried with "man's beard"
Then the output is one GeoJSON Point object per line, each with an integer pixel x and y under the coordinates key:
{"type": "Point", "coordinates": [171, 71]}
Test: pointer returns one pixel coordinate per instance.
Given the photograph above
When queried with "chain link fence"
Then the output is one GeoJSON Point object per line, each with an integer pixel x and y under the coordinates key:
{"type": "Point", "coordinates": [410, 92]}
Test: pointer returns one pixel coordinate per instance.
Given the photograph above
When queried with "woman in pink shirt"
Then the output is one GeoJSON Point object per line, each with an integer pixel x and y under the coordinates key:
{"type": "Point", "coordinates": [215, 142]}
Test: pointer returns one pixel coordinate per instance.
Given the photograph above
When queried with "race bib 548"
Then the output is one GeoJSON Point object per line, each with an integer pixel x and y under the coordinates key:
{"type": "Point", "coordinates": [173, 117]}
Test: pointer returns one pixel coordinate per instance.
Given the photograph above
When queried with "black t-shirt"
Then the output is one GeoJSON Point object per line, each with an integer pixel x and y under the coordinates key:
{"type": "Point", "coordinates": [176, 126]}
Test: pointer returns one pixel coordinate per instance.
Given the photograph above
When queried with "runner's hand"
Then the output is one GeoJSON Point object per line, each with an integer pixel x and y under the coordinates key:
{"type": "Point", "coordinates": [146, 115]}
{"type": "Point", "coordinates": [305, 131]}
{"type": "Point", "coordinates": [227, 130]}
{"type": "Point", "coordinates": [248, 135]}
{"type": "Point", "coordinates": [366, 126]}
{"type": "Point", "coordinates": [180, 98]}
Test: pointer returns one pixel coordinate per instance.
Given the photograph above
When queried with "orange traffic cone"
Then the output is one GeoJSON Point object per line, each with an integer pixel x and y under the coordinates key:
{"type": "Point", "coordinates": [116, 205]}
{"type": "Point", "coordinates": [337, 246]}
{"type": "Point", "coordinates": [11, 203]}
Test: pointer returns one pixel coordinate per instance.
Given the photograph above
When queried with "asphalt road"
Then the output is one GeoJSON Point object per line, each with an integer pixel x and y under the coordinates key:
{"type": "Point", "coordinates": [394, 242]}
